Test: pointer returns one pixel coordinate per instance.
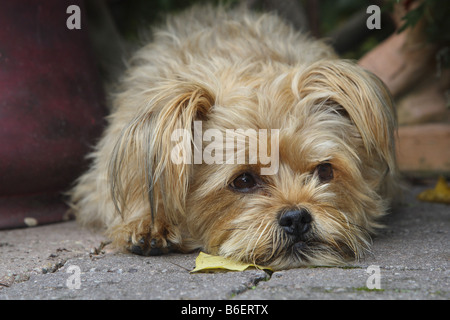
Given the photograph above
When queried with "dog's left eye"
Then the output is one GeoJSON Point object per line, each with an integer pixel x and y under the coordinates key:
{"type": "Point", "coordinates": [244, 183]}
{"type": "Point", "coordinates": [325, 172]}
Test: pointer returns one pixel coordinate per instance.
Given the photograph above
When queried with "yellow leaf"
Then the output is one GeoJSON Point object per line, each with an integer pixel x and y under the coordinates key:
{"type": "Point", "coordinates": [209, 263]}
{"type": "Point", "coordinates": [440, 193]}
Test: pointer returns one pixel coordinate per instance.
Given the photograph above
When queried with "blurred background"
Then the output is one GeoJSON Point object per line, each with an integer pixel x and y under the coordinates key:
{"type": "Point", "coordinates": [410, 52]}
{"type": "Point", "coordinates": [341, 22]}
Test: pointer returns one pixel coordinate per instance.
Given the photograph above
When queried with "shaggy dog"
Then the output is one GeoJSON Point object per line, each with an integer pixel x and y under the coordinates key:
{"type": "Point", "coordinates": [234, 133]}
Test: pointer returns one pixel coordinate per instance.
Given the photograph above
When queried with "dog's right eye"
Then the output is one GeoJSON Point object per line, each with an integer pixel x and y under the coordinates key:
{"type": "Point", "coordinates": [244, 183]}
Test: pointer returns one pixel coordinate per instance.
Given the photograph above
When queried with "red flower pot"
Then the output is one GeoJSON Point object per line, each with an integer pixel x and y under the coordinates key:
{"type": "Point", "coordinates": [51, 109]}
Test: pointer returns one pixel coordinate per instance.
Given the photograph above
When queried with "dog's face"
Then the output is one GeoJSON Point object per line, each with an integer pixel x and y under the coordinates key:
{"type": "Point", "coordinates": [311, 196]}
{"type": "Point", "coordinates": [312, 210]}
{"type": "Point", "coordinates": [317, 205]}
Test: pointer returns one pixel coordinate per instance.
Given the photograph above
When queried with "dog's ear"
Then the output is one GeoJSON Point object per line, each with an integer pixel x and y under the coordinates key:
{"type": "Point", "coordinates": [362, 97]}
{"type": "Point", "coordinates": [141, 165]}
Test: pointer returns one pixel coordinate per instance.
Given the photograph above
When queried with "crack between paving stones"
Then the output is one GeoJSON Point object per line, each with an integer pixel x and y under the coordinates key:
{"type": "Point", "coordinates": [252, 285]}
{"type": "Point", "coordinates": [268, 276]}
{"type": "Point", "coordinates": [54, 267]}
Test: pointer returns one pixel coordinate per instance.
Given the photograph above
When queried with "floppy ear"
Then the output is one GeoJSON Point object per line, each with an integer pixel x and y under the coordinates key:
{"type": "Point", "coordinates": [364, 98]}
{"type": "Point", "coordinates": [141, 167]}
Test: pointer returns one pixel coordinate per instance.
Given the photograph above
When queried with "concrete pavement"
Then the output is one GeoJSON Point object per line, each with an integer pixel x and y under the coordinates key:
{"type": "Point", "coordinates": [412, 255]}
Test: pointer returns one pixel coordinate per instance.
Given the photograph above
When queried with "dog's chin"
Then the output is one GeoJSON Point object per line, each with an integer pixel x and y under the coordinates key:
{"type": "Point", "coordinates": [294, 254]}
{"type": "Point", "coordinates": [268, 245]}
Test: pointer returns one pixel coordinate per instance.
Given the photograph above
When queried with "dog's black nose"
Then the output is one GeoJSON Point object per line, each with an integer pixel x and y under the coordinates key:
{"type": "Point", "coordinates": [295, 222]}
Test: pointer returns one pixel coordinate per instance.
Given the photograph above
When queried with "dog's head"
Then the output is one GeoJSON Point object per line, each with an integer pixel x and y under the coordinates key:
{"type": "Point", "coordinates": [285, 169]}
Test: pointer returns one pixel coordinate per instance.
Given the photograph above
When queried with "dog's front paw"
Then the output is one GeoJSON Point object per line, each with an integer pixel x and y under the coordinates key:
{"type": "Point", "coordinates": [151, 246]}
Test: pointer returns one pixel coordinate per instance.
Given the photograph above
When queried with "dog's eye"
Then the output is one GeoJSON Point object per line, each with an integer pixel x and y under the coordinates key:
{"type": "Point", "coordinates": [324, 172]}
{"type": "Point", "coordinates": [244, 183]}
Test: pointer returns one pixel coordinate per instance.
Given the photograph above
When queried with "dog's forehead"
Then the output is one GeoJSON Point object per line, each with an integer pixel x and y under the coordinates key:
{"type": "Point", "coordinates": [301, 151]}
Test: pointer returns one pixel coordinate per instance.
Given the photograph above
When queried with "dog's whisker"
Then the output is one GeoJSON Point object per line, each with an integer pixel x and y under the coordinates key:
{"type": "Point", "coordinates": [263, 232]}
{"type": "Point", "coordinates": [234, 229]}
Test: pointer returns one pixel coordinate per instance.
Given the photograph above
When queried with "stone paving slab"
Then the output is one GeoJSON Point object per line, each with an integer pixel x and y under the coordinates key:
{"type": "Point", "coordinates": [125, 276]}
